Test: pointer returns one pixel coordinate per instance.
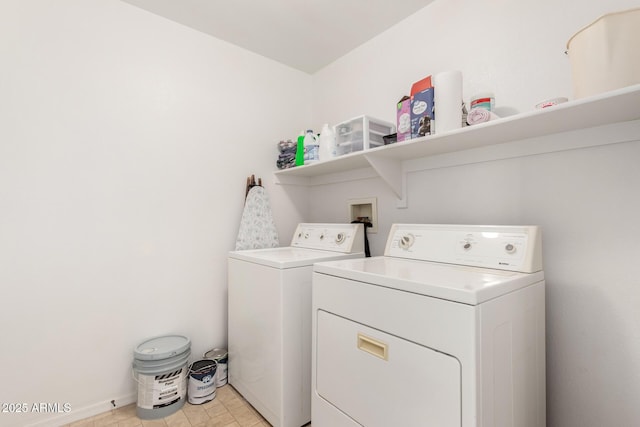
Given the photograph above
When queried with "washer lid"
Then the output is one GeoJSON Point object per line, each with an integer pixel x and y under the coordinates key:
{"type": "Point", "coordinates": [162, 347]}
{"type": "Point", "coordinates": [289, 257]}
{"type": "Point", "coordinates": [464, 284]}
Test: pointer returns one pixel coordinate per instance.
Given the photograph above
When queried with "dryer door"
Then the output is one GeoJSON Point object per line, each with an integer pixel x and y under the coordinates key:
{"type": "Point", "coordinates": [380, 380]}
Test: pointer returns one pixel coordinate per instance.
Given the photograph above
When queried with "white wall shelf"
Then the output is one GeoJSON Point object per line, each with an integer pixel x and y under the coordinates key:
{"type": "Point", "coordinates": [391, 162]}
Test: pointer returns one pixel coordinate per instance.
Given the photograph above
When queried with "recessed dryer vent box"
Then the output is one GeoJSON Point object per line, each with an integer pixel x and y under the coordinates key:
{"type": "Point", "coordinates": [364, 209]}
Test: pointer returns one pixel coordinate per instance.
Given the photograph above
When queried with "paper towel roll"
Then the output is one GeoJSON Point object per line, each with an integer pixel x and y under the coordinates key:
{"type": "Point", "coordinates": [447, 100]}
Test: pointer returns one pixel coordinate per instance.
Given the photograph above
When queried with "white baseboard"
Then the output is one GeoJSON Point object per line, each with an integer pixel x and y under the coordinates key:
{"type": "Point", "coordinates": [77, 414]}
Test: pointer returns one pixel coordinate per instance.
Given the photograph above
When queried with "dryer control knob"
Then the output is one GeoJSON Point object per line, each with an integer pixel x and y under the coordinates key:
{"type": "Point", "coordinates": [510, 248]}
{"type": "Point", "coordinates": [340, 238]}
{"type": "Point", "coordinates": [406, 241]}
{"type": "Point", "coordinates": [466, 246]}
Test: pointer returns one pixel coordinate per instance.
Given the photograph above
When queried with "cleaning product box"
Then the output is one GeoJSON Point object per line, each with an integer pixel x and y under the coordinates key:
{"type": "Point", "coordinates": [422, 108]}
{"type": "Point", "coordinates": [403, 119]}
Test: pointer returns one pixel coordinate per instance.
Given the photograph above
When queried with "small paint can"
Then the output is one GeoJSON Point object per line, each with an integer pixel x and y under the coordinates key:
{"type": "Point", "coordinates": [220, 355]}
{"type": "Point", "coordinates": [202, 382]}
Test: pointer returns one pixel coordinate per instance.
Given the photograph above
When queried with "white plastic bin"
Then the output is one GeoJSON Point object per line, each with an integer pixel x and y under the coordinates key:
{"type": "Point", "coordinates": [361, 133]}
{"type": "Point", "coordinates": [605, 55]}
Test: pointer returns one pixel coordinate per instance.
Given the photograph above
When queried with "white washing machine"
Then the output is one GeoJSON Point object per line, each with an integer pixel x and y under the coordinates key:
{"type": "Point", "coordinates": [270, 318]}
{"type": "Point", "coordinates": [446, 329]}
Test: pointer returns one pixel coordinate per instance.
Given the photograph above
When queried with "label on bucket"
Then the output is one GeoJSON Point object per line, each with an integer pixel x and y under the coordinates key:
{"type": "Point", "coordinates": [157, 391]}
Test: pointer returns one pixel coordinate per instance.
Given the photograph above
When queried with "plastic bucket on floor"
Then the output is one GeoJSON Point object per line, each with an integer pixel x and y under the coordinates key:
{"type": "Point", "coordinates": [160, 367]}
{"type": "Point", "coordinates": [220, 355]}
{"type": "Point", "coordinates": [202, 381]}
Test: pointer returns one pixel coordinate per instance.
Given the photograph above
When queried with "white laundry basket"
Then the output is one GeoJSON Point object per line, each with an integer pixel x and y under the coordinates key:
{"type": "Point", "coordinates": [605, 55]}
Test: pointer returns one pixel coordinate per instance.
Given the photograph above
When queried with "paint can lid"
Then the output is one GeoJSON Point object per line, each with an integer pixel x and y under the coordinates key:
{"type": "Point", "coordinates": [162, 347]}
{"type": "Point", "coordinates": [216, 354]}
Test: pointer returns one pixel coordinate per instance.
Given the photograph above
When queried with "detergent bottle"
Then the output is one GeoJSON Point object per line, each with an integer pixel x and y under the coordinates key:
{"type": "Point", "coordinates": [327, 143]}
{"type": "Point", "coordinates": [300, 150]}
{"type": "Point", "coordinates": [310, 147]}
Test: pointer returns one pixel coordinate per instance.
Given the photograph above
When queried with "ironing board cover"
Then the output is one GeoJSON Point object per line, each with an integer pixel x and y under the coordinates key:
{"type": "Point", "coordinates": [257, 228]}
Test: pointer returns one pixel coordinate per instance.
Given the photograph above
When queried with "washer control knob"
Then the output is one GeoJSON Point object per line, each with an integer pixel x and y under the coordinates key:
{"type": "Point", "coordinates": [340, 238]}
{"type": "Point", "coordinates": [406, 241]}
{"type": "Point", "coordinates": [466, 246]}
{"type": "Point", "coordinates": [510, 248]}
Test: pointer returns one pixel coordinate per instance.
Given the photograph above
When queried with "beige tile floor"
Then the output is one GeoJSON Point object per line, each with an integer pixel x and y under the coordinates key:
{"type": "Point", "coordinates": [228, 409]}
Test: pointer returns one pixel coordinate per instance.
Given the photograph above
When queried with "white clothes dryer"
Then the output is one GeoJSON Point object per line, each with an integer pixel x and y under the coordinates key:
{"type": "Point", "coordinates": [270, 318]}
{"type": "Point", "coordinates": [446, 329]}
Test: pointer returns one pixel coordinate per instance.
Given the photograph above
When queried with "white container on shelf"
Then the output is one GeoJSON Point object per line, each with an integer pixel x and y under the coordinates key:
{"type": "Point", "coordinates": [361, 133]}
{"type": "Point", "coordinates": [604, 54]}
{"type": "Point", "coordinates": [327, 143]}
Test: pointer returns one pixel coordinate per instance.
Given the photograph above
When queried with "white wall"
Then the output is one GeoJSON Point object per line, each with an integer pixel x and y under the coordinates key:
{"type": "Point", "coordinates": [124, 146]}
{"type": "Point", "coordinates": [125, 142]}
{"type": "Point", "coordinates": [514, 49]}
{"type": "Point", "coordinates": [585, 200]}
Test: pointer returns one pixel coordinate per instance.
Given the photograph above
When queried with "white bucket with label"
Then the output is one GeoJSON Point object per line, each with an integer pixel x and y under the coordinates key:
{"type": "Point", "coordinates": [160, 367]}
{"type": "Point", "coordinates": [202, 381]}
{"type": "Point", "coordinates": [220, 356]}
